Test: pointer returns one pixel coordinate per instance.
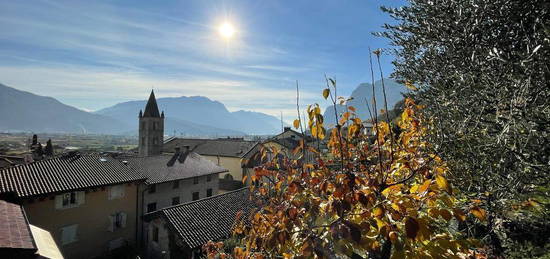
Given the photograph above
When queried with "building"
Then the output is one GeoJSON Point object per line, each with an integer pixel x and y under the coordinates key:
{"type": "Point", "coordinates": [87, 202]}
{"type": "Point", "coordinates": [229, 153]}
{"type": "Point", "coordinates": [180, 231]}
{"type": "Point", "coordinates": [171, 178]}
{"type": "Point", "coordinates": [19, 239]}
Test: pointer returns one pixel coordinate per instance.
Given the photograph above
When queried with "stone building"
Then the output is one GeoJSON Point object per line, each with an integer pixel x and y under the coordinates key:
{"type": "Point", "coordinates": [151, 128]}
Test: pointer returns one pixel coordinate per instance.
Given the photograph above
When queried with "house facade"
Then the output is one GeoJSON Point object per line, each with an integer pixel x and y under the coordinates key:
{"type": "Point", "coordinates": [229, 153]}
{"type": "Point", "coordinates": [87, 202]}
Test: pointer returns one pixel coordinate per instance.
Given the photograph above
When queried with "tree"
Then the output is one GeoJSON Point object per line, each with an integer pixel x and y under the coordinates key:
{"type": "Point", "coordinates": [34, 140]}
{"type": "Point", "coordinates": [390, 198]}
{"type": "Point", "coordinates": [49, 148]}
{"type": "Point", "coordinates": [481, 68]}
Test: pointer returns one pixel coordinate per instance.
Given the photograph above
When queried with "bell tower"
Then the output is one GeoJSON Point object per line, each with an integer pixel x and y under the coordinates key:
{"type": "Point", "coordinates": [151, 128]}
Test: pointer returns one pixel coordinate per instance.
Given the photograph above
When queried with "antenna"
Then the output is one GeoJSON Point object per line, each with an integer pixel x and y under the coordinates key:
{"type": "Point", "coordinates": [282, 125]}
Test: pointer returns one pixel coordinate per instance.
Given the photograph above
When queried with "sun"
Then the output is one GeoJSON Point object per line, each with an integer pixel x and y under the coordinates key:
{"type": "Point", "coordinates": [226, 30]}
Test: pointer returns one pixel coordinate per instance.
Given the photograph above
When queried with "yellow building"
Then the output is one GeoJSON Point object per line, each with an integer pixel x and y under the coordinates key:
{"type": "Point", "coordinates": [229, 153]}
{"type": "Point", "coordinates": [88, 203]}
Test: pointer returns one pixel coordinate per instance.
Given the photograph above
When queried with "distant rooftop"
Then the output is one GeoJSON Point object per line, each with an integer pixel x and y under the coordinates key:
{"type": "Point", "coordinates": [170, 167]}
{"type": "Point", "coordinates": [228, 147]}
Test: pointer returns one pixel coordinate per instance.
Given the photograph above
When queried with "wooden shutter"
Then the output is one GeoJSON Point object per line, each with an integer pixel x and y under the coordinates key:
{"type": "Point", "coordinates": [111, 226]}
{"type": "Point", "coordinates": [80, 197]}
{"type": "Point", "coordinates": [123, 219]}
{"type": "Point", "coordinates": [59, 201]}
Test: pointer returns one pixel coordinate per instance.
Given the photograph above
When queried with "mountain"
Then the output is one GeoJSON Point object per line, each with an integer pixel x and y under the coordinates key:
{"type": "Point", "coordinates": [183, 114]}
{"type": "Point", "coordinates": [258, 123]}
{"type": "Point", "coordinates": [362, 93]}
{"type": "Point", "coordinates": [24, 111]}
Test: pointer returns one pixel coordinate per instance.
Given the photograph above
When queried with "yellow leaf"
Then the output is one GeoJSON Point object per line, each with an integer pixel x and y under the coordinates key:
{"type": "Point", "coordinates": [296, 123]}
{"type": "Point", "coordinates": [326, 92]}
{"type": "Point", "coordinates": [424, 186]}
{"type": "Point", "coordinates": [378, 211]}
{"type": "Point", "coordinates": [409, 85]}
{"type": "Point", "coordinates": [442, 183]}
{"type": "Point", "coordinates": [479, 213]}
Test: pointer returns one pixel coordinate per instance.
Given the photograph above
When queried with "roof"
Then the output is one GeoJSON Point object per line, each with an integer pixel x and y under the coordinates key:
{"type": "Point", "coordinates": [151, 109]}
{"type": "Point", "coordinates": [14, 228]}
{"type": "Point", "coordinates": [212, 218]}
{"type": "Point", "coordinates": [169, 167]}
{"type": "Point", "coordinates": [65, 173]}
{"type": "Point", "coordinates": [47, 248]}
{"type": "Point", "coordinates": [212, 147]}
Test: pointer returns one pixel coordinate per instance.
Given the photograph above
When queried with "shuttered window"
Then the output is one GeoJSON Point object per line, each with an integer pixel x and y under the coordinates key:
{"type": "Point", "coordinates": [117, 221]}
{"type": "Point", "coordinates": [116, 192]}
{"type": "Point", "coordinates": [68, 234]}
{"type": "Point", "coordinates": [69, 200]}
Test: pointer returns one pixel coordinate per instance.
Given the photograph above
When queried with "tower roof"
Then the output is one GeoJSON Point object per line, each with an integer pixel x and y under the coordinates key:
{"type": "Point", "coordinates": [151, 109]}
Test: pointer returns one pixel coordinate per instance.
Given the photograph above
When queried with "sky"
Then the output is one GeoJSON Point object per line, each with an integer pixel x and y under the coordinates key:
{"type": "Point", "coordinates": [94, 54]}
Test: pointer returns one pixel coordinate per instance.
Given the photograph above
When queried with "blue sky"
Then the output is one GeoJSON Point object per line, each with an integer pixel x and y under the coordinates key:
{"type": "Point", "coordinates": [94, 54]}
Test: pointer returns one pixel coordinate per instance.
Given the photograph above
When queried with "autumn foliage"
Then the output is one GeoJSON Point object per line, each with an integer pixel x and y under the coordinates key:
{"type": "Point", "coordinates": [377, 193]}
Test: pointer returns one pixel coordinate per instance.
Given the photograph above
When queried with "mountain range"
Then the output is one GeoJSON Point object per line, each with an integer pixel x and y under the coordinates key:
{"type": "Point", "coordinates": [189, 116]}
{"type": "Point", "coordinates": [362, 94]}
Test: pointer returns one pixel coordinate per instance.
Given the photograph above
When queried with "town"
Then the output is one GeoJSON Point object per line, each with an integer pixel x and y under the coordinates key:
{"type": "Point", "coordinates": [243, 129]}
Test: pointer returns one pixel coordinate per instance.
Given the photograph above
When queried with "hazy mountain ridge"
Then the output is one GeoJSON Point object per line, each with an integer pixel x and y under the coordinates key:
{"type": "Point", "coordinates": [198, 110]}
{"type": "Point", "coordinates": [24, 111]}
{"type": "Point", "coordinates": [189, 116]}
{"type": "Point", "coordinates": [362, 93]}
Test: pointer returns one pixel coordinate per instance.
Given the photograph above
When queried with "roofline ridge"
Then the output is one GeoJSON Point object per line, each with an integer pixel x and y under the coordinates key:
{"type": "Point", "coordinates": [205, 198]}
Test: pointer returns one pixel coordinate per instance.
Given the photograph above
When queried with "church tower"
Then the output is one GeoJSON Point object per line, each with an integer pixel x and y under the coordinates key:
{"type": "Point", "coordinates": [151, 128]}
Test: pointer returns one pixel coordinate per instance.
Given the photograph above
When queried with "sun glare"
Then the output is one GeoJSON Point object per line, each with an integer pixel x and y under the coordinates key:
{"type": "Point", "coordinates": [226, 30]}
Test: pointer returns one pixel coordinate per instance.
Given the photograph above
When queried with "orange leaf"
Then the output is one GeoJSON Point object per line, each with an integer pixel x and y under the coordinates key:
{"type": "Point", "coordinates": [479, 213]}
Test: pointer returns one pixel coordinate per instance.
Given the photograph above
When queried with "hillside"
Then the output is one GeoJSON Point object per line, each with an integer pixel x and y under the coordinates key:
{"type": "Point", "coordinates": [362, 93]}
{"type": "Point", "coordinates": [24, 111]}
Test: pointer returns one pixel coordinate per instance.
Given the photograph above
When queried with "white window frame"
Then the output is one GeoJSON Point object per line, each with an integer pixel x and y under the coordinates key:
{"type": "Point", "coordinates": [116, 191]}
{"type": "Point", "coordinates": [69, 234]}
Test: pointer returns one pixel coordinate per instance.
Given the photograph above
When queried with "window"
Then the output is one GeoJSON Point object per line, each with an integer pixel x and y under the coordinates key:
{"type": "Point", "coordinates": [208, 192]}
{"type": "Point", "coordinates": [195, 180]}
{"type": "Point", "coordinates": [155, 140]}
{"type": "Point", "coordinates": [195, 196]}
{"type": "Point", "coordinates": [116, 192]}
{"type": "Point", "coordinates": [117, 221]}
{"type": "Point", "coordinates": [152, 188]}
{"type": "Point", "coordinates": [209, 178]}
{"type": "Point", "coordinates": [68, 234]}
{"type": "Point", "coordinates": [69, 200]}
{"type": "Point", "coordinates": [175, 200]}
{"type": "Point", "coordinates": [176, 184]}
{"type": "Point", "coordinates": [155, 234]}
{"type": "Point", "coordinates": [151, 207]}
{"type": "Point", "coordinates": [154, 125]}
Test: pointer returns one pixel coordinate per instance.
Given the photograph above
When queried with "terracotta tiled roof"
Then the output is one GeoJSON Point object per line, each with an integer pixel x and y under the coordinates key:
{"type": "Point", "coordinates": [164, 168]}
{"type": "Point", "coordinates": [14, 227]}
{"type": "Point", "coordinates": [207, 219]}
{"type": "Point", "coordinates": [212, 147]}
{"type": "Point", "coordinates": [63, 174]}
